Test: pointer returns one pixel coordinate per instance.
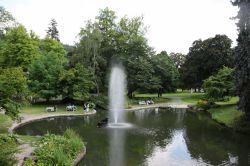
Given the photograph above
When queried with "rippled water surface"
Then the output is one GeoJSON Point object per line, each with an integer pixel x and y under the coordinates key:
{"type": "Point", "coordinates": [158, 137]}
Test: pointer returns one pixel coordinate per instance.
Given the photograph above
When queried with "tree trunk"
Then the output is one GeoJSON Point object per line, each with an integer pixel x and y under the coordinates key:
{"type": "Point", "coordinates": [130, 94]}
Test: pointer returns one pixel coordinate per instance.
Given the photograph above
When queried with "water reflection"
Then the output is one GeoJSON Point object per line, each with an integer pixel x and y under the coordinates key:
{"type": "Point", "coordinates": [159, 137]}
{"type": "Point", "coordinates": [116, 147]}
{"type": "Point", "coordinates": [175, 153]}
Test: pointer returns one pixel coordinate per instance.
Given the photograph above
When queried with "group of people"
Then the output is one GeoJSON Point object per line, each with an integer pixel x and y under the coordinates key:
{"type": "Point", "coordinates": [71, 107]}
{"type": "Point", "coordinates": [147, 102]}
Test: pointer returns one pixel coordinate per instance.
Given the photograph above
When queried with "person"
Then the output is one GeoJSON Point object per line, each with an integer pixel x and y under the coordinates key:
{"type": "Point", "coordinates": [55, 108]}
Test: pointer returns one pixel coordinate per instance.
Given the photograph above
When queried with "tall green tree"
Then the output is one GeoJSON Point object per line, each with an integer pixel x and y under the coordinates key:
{"type": "Point", "coordinates": [178, 59]}
{"type": "Point", "coordinates": [18, 48]}
{"type": "Point", "coordinates": [243, 55]}
{"type": "Point", "coordinates": [206, 58]}
{"type": "Point", "coordinates": [166, 71]}
{"type": "Point", "coordinates": [89, 54]}
{"type": "Point", "coordinates": [13, 89]}
{"type": "Point", "coordinates": [52, 31]}
{"type": "Point", "coordinates": [134, 51]}
{"type": "Point", "coordinates": [46, 70]}
{"type": "Point", "coordinates": [76, 83]}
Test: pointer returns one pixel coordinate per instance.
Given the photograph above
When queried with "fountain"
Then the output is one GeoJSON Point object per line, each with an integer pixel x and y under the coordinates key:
{"type": "Point", "coordinates": [117, 86]}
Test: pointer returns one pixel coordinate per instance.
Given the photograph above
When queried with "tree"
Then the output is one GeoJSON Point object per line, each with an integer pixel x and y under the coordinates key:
{"type": "Point", "coordinates": [220, 85]}
{"type": "Point", "coordinates": [178, 59]}
{"type": "Point", "coordinates": [200, 61]}
{"type": "Point", "coordinates": [45, 71]}
{"type": "Point", "coordinates": [166, 71]}
{"type": "Point", "coordinates": [134, 51]}
{"type": "Point", "coordinates": [89, 53]}
{"type": "Point", "coordinates": [52, 31]}
{"type": "Point", "coordinates": [6, 20]}
{"type": "Point", "coordinates": [140, 75]}
{"type": "Point", "coordinates": [76, 83]}
{"type": "Point", "coordinates": [242, 52]}
{"type": "Point", "coordinates": [13, 89]}
{"type": "Point", "coordinates": [18, 48]}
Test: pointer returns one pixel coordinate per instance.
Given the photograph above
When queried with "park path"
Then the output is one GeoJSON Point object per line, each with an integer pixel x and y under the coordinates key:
{"type": "Point", "coordinates": [175, 102]}
{"type": "Point", "coordinates": [25, 150]}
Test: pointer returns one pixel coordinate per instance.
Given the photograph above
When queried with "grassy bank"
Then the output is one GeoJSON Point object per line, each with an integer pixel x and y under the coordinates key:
{"type": "Point", "coordinates": [37, 109]}
{"type": "Point", "coordinates": [185, 97]}
{"type": "Point", "coordinates": [226, 112]}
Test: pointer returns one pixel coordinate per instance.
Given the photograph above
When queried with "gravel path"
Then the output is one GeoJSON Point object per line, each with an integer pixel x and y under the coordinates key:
{"type": "Point", "coordinates": [25, 150]}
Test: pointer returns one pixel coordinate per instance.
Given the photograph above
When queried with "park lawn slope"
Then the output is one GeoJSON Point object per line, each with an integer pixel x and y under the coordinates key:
{"type": "Point", "coordinates": [226, 112]}
{"type": "Point", "coordinates": [185, 97]}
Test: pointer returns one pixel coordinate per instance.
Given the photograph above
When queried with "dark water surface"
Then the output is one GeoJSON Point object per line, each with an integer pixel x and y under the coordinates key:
{"type": "Point", "coordinates": [159, 137]}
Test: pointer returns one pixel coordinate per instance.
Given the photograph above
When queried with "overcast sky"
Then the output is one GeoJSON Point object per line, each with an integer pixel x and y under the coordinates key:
{"type": "Point", "coordinates": [173, 24]}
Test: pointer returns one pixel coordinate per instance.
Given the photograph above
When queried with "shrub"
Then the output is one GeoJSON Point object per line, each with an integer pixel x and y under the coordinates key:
{"type": "Point", "coordinates": [29, 162]}
{"type": "Point", "coordinates": [99, 101]}
{"type": "Point", "coordinates": [204, 104]}
{"type": "Point", "coordinates": [59, 150]}
{"type": "Point", "coordinates": [8, 148]}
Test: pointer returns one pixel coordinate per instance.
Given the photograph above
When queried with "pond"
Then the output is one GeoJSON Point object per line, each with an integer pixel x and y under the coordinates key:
{"type": "Point", "coordinates": [157, 137]}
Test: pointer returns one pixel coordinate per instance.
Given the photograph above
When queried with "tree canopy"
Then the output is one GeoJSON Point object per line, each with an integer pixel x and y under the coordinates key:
{"type": "Point", "coordinates": [52, 31]}
{"type": "Point", "coordinates": [242, 51]}
{"type": "Point", "coordinates": [220, 85]}
{"type": "Point", "coordinates": [201, 58]}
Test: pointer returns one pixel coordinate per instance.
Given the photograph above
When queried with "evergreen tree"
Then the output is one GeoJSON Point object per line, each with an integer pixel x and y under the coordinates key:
{"type": "Point", "coordinates": [242, 52]}
{"type": "Point", "coordinates": [52, 30]}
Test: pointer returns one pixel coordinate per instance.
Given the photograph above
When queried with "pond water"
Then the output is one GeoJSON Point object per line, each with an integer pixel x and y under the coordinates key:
{"type": "Point", "coordinates": [158, 137]}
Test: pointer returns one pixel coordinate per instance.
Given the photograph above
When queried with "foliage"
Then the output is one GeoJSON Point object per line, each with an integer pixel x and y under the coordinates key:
{"type": "Point", "coordinates": [59, 150]}
{"type": "Point", "coordinates": [178, 59]}
{"type": "Point", "coordinates": [29, 162]}
{"type": "Point", "coordinates": [46, 70]}
{"type": "Point", "coordinates": [100, 101]}
{"type": "Point", "coordinates": [205, 58]}
{"type": "Point", "coordinates": [166, 71]}
{"type": "Point", "coordinates": [105, 40]}
{"type": "Point", "coordinates": [8, 148]}
{"type": "Point", "coordinates": [5, 123]}
{"type": "Point", "coordinates": [242, 52]}
{"type": "Point", "coordinates": [13, 89]}
{"type": "Point", "coordinates": [76, 82]}
{"type": "Point", "coordinates": [204, 104]}
{"type": "Point", "coordinates": [18, 48]}
{"type": "Point", "coordinates": [88, 53]}
{"type": "Point", "coordinates": [52, 31]}
{"type": "Point", "coordinates": [6, 20]}
{"type": "Point", "coordinates": [220, 85]}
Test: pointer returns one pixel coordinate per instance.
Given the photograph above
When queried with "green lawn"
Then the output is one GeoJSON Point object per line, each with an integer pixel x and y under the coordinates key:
{"type": "Point", "coordinates": [5, 123]}
{"type": "Point", "coordinates": [186, 97]}
{"type": "Point", "coordinates": [232, 101]}
{"type": "Point", "coordinates": [226, 112]}
{"type": "Point", "coordinates": [41, 109]}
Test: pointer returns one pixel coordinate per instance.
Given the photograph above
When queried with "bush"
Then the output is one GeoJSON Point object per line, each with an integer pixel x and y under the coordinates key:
{"type": "Point", "coordinates": [11, 107]}
{"type": "Point", "coordinates": [100, 101]}
{"type": "Point", "coordinates": [204, 104]}
{"type": "Point", "coordinates": [29, 162]}
{"type": "Point", "coordinates": [59, 150]}
{"type": "Point", "coordinates": [8, 148]}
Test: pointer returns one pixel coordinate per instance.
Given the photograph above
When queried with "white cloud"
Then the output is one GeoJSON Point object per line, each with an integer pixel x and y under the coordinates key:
{"type": "Point", "coordinates": [173, 25]}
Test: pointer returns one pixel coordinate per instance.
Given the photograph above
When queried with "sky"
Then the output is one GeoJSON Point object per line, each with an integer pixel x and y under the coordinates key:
{"type": "Point", "coordinates": [173, 25]}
